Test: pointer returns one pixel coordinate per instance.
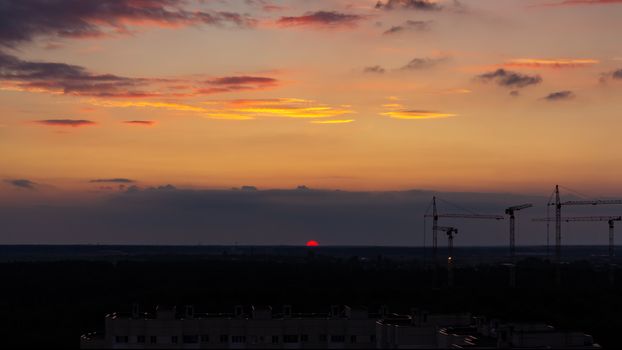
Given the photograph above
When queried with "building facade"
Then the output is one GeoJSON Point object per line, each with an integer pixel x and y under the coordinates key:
{"type": "Point", "coordinates": [258, 327]}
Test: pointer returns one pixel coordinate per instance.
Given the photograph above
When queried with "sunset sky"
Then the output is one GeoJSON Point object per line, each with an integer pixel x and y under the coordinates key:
{"type": "Point", "coordinates": [112, 96]}
{"type": "Point", "coordinates": [449, 95]}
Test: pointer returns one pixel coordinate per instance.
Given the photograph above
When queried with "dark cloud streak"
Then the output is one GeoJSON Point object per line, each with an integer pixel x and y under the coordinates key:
{"type": "Point", "coordinates": [140, 122]}
{"type": "Point", "coordinates": [615, 75]}
{"type": "Point", "coordinates": [510, 79]}
{"type": "Point", "coordinates": [424, 5]}
{"type": "Point", "coordinates": [423, 63]}
{"type": "Point", "coordinates": [409, 26]}
{"type": "Point", "coordinates": [321, 19]}
{"type": "Point", "coordinates": [22, 183]}
{"type": "Point", "coordinates": [24, 20]}
{"type": "Point", "coordinates": [75, 80]}
{"type": "Point", "coordinates": [74, 123]}
{"type": "Point", "coordinates": [374, 69]}
{"type": "Point", "coordinates": [119, 180]}
{"type": "Point", "coordinates": [559, 96]}
{"type": "Point", "coordinates": [237, 83]}
{"type": "Point", "coordinates": [66, 78]}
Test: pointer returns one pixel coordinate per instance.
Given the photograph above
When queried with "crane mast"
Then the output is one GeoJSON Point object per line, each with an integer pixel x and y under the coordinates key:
{"type": "Point", "coordinates": [450, 231]}
{"type": "Point", "coordinates": [510, 211]}
{"type": "Point", "coordinates": [435, 228]}
{"type": "Point", "coordinates": [558, 225]}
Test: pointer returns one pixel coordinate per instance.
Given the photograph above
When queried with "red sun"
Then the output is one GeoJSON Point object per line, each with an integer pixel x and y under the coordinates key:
{"type": "Point", "coordinates": [312, 243]}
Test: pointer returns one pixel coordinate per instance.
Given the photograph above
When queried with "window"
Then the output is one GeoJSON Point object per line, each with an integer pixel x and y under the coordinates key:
{"type": "Point", "coordinates": [224, 338]}
{"type": "Point", "coordinates": [304, 337]}
{"type": "Point", "coordinates": [121, 339]}
{"type": "Point", "coordinates": [322, 337]}
{"type": "Point", "coordinates": [140, 339]}
{"type": "Point", "coordinates": [153, 339]}
{"type": "Point", "coordinates": [353, 339]}
{"type": "Point", "coordinates": [191, 339]}
{"type": "Point", "coordinates": [205, 338]}
{"type": "Point", "coordinates": [275, 339]}
{"type": "Point", "coordinates": [337, 338]}
{"type": "Point", "coordinates": [174, 339]}
{"type": "Point", "coordinates": [290, 338]}
{"type": "Point", "coordinates": [238, 339]}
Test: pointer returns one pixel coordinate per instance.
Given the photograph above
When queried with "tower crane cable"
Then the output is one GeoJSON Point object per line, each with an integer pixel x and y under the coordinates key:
{"type": "Point", "coordinates": [581, 195]}
{"type": "Point", "coordinates": [457, 206]}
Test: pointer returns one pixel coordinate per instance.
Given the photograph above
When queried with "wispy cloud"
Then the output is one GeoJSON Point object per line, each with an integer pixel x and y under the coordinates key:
{"type": "Point", "coordinates": [409, 26]}
{"type": "Point", "coordinates": [173, 106]}
{"type": "Point", "coordinates": [424, 5]}
{"type": "Point", "coordinates": [332, 121]}
{"type": "Point", "coordinates": [73, 123]}
{"type": "Point", "coordinates": [66, 79]}
{"type": "Point", "coordinates": [118, 180]}
{"type": "Point", "coordinates": [242, 80]}
{"type": "Point", "coordinates": [61, 78]}
{"type": "Point", "coordinates": [417, 114]}
{"type": "Point", "coordinates": [241, 109]}
{"type": "Point", "coordinates": [374, 69]}
{"type": "Point", "coordinates": [322, 19]}
{"type": "Point", "coordinates": [579, 2]}
{"type": "Point", "coordinates": [419, 63]}
{"type": "Point", "coordinates": [551, 63]}
{"type": "Point", "coordinates": [285, 107]}
{"type": "Point", "coordinates": [398, 111]}
{"type": "Point", "coordinates": [237, 83]}
{"type": "Point", "coordinates": [140, 122]}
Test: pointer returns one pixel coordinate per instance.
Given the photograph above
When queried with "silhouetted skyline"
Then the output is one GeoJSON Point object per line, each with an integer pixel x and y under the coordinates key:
{"type": "Point", "coordinates": [170, 215]}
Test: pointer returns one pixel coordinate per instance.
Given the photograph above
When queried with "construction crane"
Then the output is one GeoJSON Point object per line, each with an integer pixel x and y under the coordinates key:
{"type": "Point", "coordinates": [558, 215]}
{"type": "Point", "coordinates": [609, 219]}
{"type": "Point", "coordinates": [510, 211]}
{"type": "Point", "coordinates": [450, 231]}
{"type": "Point", "coordinates": [435, 228]}
{"type": "Point", "coordinates": [512, 265]}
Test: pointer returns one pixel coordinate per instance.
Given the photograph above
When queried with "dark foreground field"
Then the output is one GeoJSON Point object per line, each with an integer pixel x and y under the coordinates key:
{"type": "Point", "coordinates": [51, 303]}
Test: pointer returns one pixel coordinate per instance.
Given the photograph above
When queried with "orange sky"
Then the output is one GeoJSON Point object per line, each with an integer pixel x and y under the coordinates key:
{"type": "Point", "coordinates": [472, 95]}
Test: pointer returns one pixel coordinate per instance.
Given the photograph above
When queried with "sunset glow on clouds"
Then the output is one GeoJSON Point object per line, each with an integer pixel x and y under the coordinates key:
{"type": "Point", "coordinates": [280, 93]}
{"type": "Point", "coordinates": [416, 114]}
{"type": "Point", "coordinates": [551, 63]}
{"type": "Point", "coordinates": [239, 109]}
